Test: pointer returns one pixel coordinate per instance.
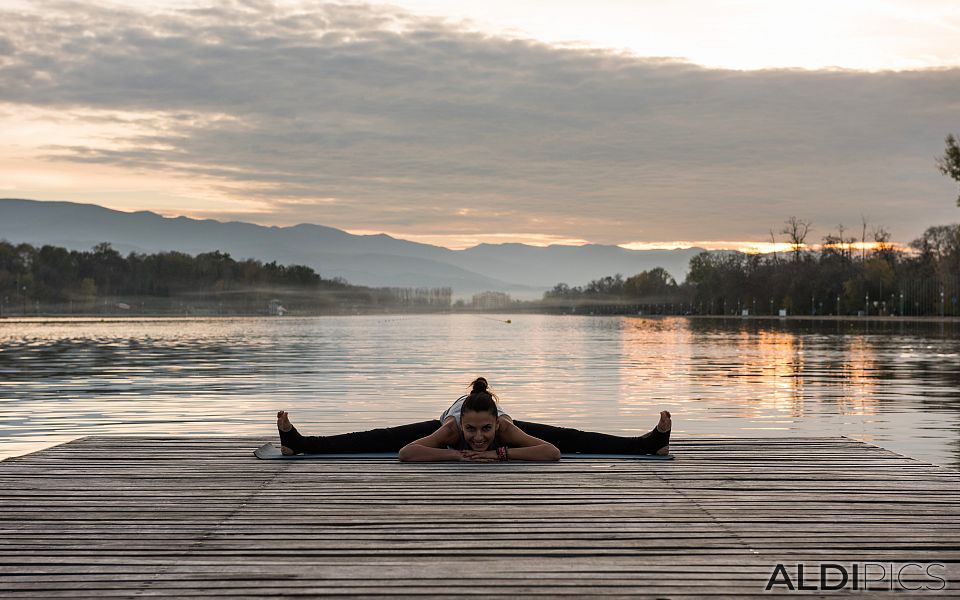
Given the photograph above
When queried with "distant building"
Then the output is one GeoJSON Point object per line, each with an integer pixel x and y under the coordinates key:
{"type": "Point", "coordinates": [276, 308]}
{"type": "Point", "coordinates": [423, 297]}
{"type": "Point", "coordinates": [485, 300]}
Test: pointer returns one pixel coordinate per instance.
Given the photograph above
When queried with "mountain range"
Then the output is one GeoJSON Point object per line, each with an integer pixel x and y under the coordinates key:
{"type": "Point", "coordinates": [376, 260]}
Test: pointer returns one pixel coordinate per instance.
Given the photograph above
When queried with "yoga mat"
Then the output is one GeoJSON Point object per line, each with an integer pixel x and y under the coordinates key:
{"type": "Point", "coordinates": [270, 452]}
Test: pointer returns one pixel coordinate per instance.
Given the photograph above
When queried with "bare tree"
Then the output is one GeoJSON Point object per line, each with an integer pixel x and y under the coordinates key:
{"type": "Point", "coordinates": [881, 235]}
{"type": "Point", "coordinates": [840, 230]}
{"type": "Point", "coordinates": [863, 239]}
{"type": "Point", "coordinates": [773, 242]}
{"type": "Point", "coordinates": [840, 245]}
{"type": "Point", "coordinates": [796, 231]}
{"type": "Point", "coordinates": [884, 248]}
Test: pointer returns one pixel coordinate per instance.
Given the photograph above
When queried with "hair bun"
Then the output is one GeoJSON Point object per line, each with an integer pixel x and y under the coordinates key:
{"type": "Point", "coordinates": [479, 385]}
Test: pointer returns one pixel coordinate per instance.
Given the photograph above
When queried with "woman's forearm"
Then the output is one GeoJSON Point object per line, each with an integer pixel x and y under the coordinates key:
{"type": "Point", "coordinates": [420, 453]}
{"type": "Point", "coordinates": [540, 452]}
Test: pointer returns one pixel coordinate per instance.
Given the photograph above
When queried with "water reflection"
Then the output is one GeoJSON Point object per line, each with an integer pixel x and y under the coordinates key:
{"type": "Point", "coordinates": [894, 385]}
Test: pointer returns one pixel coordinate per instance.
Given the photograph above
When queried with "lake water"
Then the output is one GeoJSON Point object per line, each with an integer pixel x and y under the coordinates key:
{"type": "Point", "coordinates": [895, 385]}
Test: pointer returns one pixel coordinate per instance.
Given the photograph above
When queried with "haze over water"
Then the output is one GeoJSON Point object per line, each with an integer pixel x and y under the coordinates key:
{"type": "Point", "coordinates": [893, 385]}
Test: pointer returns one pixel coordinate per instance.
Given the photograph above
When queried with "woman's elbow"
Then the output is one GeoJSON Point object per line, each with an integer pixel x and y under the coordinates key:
{"type": "Point", "coordinates": [405, 454]}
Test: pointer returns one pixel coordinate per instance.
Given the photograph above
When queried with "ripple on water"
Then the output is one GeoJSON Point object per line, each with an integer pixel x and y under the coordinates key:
{"type": "Point", "coordinates": [897, 387]}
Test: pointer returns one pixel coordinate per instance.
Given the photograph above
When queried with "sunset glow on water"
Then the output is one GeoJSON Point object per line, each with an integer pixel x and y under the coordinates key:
{"type": "Point", "coordinates": [892, 385]}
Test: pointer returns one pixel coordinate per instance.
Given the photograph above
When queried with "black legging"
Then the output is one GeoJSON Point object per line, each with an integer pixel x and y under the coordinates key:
{"type": "Point", "coordinates": [387, 439]}
{"type": "Point", "coordinates": [392, 439]}
{"type": "Point", "coordinates": [573, 441]}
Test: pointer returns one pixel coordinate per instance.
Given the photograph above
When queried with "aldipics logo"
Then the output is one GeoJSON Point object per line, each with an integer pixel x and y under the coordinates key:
{"type": "Point", "coordinates": [865, 576]}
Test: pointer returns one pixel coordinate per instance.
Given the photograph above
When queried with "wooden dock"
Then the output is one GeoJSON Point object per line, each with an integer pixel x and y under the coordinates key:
{"type": "Point", "coordinates": [149, 516]}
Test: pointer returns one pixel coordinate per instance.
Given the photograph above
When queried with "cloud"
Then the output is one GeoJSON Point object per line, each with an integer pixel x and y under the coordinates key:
{"type": "Point", "coordinates": [371, 118]}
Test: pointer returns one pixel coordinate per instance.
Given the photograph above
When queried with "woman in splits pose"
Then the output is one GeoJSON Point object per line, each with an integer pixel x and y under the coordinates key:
{"type": "Point", "coordinates": [475, 429]}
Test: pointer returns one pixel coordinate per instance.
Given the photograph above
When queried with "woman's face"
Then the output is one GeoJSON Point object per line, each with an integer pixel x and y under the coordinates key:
{"type": "Point", "coordinates": [479, 429]}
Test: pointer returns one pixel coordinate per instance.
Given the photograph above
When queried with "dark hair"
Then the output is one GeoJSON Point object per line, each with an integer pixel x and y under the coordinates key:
{"type": "Point", "coordinates": [480, 399]}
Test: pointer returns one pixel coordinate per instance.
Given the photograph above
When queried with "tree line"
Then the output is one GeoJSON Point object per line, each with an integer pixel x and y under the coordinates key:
{"type": "Point", "coordinates": [846, 274]}
{"type": "Point", "coordinates": [52, 279]}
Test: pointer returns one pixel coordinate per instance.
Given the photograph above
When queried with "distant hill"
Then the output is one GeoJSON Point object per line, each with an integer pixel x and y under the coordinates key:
{"type": "Point", "coordinates": [374, 260]}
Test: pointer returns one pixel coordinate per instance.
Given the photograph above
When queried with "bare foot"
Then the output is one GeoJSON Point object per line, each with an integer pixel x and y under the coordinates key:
{"type": "Point", "coordinates": [664, 425]}
{"type": "Point", "coordinates": [284, 425]}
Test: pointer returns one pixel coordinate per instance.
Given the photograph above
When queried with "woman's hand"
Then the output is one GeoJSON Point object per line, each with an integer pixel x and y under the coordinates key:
{"type": "Point", "coordinates": [474, 456]}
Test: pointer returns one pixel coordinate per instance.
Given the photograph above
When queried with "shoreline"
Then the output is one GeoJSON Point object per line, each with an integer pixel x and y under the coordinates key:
{"type": "Point", "coordinates": [837, 318]}
{"type": "Point", "coordinates": [61, 318]}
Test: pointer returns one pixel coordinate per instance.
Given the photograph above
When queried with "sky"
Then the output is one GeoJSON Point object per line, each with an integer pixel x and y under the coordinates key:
{"type": "Point", "coordinates": [643, 124]}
